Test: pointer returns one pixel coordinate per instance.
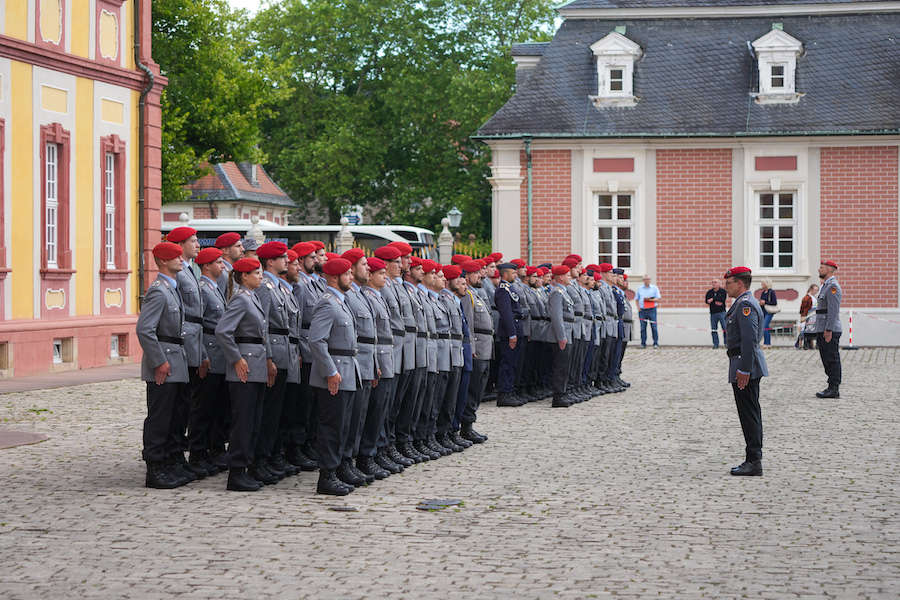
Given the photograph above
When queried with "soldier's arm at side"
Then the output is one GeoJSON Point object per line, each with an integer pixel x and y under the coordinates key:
{"type": "Point", "coordinates": [504, 307]}
{"type": "Point", "coordinates": [151, 312]}
{"type": "Point", "coordinates": [833, 302]}
{"type": "Point", "coordinates": [227, 325]}
{"type": "Point", "coordinates": [749, 325]}
{"type": "Point", "coordinates": [319, 332]}
{"type": "Point", "coordinates": [556, 317]}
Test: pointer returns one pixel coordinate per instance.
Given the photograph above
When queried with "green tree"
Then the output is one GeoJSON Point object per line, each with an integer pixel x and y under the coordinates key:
{"type": "Point", "coordinates": [218, 92]}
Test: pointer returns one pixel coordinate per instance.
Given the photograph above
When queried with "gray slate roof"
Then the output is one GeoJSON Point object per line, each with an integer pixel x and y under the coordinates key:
{"type": "Point", "coordinates": [694, 3]}
{"type": "Point", "coordinates": [529, 49]}
{"type": "Point", "coordinates": [696, 74]}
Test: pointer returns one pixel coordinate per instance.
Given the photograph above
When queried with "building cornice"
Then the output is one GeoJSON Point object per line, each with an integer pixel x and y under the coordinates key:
{"type": "Point", "coordinates": [725, 12]}
{"type": "Point", "coordinates": [62, 62]}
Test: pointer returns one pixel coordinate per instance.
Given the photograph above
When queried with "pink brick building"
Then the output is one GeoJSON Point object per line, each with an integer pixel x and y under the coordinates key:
{"type": "Point", "coordinates": [677, 138]}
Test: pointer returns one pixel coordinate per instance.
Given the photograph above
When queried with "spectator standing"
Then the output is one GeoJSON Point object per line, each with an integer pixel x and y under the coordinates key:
{"type": "Point", "coordinates": [769, 303]}
{"type": "Point", "coordinates": [807, 321]}
{"type": "Point", "coordinates": [715, 298]}
{"type": "Point", "coordinates": [648, 297]}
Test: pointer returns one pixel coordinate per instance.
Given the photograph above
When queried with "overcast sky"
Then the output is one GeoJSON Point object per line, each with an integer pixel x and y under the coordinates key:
{"type": "Point", "coordinates": [251, 5]}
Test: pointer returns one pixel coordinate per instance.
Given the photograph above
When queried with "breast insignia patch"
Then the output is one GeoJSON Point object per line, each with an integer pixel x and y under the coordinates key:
{"type": "Point", "coordinates": [834, 290]}
{"type": "Point", "coordinates": [746, 311]}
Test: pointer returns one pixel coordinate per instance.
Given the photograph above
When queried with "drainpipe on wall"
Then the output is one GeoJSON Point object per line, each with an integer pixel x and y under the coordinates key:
{"type": "Point", "coordinates": [530, 230]}
{"type": "Point", "coordinates": [140, 158]}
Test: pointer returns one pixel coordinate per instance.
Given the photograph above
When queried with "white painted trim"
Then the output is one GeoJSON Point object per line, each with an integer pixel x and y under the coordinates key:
{"type": "Point", "coordinates": [92, 31]}
{"type": "Point", "coordinates": [813, 219]}
{"type": "Point", "coordinates": [738, 234]}
{"type": "Point", "coordinates": [706, 142]}
{"type": "Point", "coordinates": [526, 62]}
{"type": "Point", "coordinates": [727, 12]}
{"type": "Point", "coordinates": [580, 206]}
{"type": "Point", "coordinates": [32, 15]}
{"type": "Point", "coordinates": [2, 31]}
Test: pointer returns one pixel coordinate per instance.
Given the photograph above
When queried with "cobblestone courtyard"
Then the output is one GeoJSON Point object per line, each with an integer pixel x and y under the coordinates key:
{"type": "Point", "coordinates": [624, 496]}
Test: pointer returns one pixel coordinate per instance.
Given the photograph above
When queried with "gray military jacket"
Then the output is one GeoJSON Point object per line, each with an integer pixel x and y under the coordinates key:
{"type": "Point", "coordinates": [366, 333]}
{"type": "Point", "coordinates": [273, 300]}
{"type": "Point", "coordinates": [385, 348]}
{"type": "Point", "coordinates": [213, 309]}
{"type": "Point", "coordinates": [189, 290]}
{"type": "Point", "coordinates": [294, 317]}
{"type": "Point", "coordinates": [828, 306]}
{"type": "Point", "coordinates": [222, 281]}
{"type": "Point", "coordinates": [599, 329]}
{"type": "Point", "coordinates": [743, 330]}
{"type": "Point", "coordinates": [628, 317]}
{"type": "Point", "coordinates": [332, 343]}
{"type": "Point", "coordinates": [453, 307]}
{"type": "Point", "coordinates": [525, 302]}
{"type": "Point", "coordinates": [398, 328]}
{"type": "Point", "coordinates": [540, 315]}
{"type": "Point", "coordinates": [587, 324]}
{"type": "Point", "coordinates": [306, 294]}
{"type": "Point", "coordinates": [442, 324]}
{"type": "Point", "coordinates": [162, 314]}
{"type": "Point", "coordinates": [562, 314]}
{"type": "Point", "coordinates": [612, 312]}
{"type": "Point", "coordinates": [431, 342]}
{"type": "Point", "coordinates": [410, 325]}
{"type": "Point", "coordinates": [418, 319]}
{"type": "Point", "coordinates": [578, 306]}
{"type": "Point", "coordinates": [244, 318]}
{"type": "Point", "coordinates": [481, 325]}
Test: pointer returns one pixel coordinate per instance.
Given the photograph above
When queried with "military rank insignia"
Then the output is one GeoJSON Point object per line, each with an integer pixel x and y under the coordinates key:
{"type": "Point", "coordinates": [834, 290]}
{"type": "Point", "coordinates": [746, 311]}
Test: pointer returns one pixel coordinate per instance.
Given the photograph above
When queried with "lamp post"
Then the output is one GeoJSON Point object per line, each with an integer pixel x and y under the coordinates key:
{"type": "Point", "coordinates": [455, 216]}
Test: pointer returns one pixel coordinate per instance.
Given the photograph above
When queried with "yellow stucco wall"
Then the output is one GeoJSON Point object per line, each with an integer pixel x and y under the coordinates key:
{"type": "Point", "coordinates": [83, 213]}
{"type": "Point", "coordinates": [17, 19]}
{"type": "Point", "coordinates": [22, 207]}
{"type": "Point", "coordinates": [81, 27]}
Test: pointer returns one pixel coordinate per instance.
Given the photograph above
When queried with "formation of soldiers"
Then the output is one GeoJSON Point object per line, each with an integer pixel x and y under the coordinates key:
{"type": "Point", "coordinates": [299, 360]}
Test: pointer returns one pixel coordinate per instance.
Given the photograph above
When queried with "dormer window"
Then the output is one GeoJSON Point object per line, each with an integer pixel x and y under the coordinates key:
{"type": "Point", "coordinates": [615, 55]}
{"type": "Point", "coordinates": [776, 56]}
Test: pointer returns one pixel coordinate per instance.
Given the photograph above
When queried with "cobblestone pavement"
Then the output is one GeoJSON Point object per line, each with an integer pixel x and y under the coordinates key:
{"type": "Point", "coordinates": [624, 496]}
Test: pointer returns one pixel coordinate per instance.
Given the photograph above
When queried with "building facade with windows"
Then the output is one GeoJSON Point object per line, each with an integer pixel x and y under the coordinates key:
{"type": "Point", "coordinates": [79, 183]}
{"type": "Point", "coordinates": [677, 138]}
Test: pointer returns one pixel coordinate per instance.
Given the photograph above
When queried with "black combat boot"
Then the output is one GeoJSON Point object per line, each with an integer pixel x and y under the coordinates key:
{"type": "Point", "coordinates": [394, 454]}
{"type": "Point", "coordinates": [368, 467]}
{"type": "Point", "coordinates": [829, 392]}
{"type": "Point", "coordinates": [331, 485]}
{"type": "Point", "coordinates": [467, 432]}
{"type": "Point", "coordinates": [459, 440]}
{"type": "Point", "coordinates": [159, 477]}
{"type": "Point", "coordinates": [349, 475]}
{"type": "Point", "coordinates": [240, 481]}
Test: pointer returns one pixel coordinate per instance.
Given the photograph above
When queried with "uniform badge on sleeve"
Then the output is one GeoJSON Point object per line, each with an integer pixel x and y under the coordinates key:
{"type": "Point", "coordinates": [746, 311]}
{"type": "Point", "coordinates": [834, 290]}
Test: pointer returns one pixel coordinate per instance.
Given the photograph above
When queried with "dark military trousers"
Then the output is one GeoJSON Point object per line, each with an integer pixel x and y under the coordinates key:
{"type": "Point", "coordinates": [424, 406]}
{"type": "Point", "coordinates": [374, 429]}
{"type": "Point", "coordinates": [160, 441]}
{"type": "Point", "coordinates": [615, 349]}
{"type": "Point", "coordinates": [462, 395]}
{"type": "Point", "coordinates": [183, 409]}
{"type": "Point", "coordinates": [506, 374]}
{"type": "Point", "coordinates": [205, 405]}
{"type": "Point", "coordinates": [522, 348]}
{"type": "Point", "coordinates": [220, 427]}
{"type": "Point", "coordinates": [447, 393]}
{"type": "Point", "coordinates": [608, 344]}
{"type": "Point", "coordinates": [402, 382]}
{"type": "Point", "coordinates": [353, 426]}
{"type": "Point", "coordinates": [466, 411]}
{"type": "Point", "coordinates": [407, 410]}
{"type": "Point", "coordinates": [750, 415]}
{"type": "Point", "coordinates": [590, 350]}
{"type": "Point", "coordinates": [831, 358]}
{"type": "Point", "coordinates": [621, 356]}
{"type": "Point", "coordinates": [290, 419]}
{"type": "Point", "coordinates": [271, 416]}
{"type": "Point", "coordinates": [307, 415]}
{"type": "Point", "coordinates": [333, 412]}
{"type": "Point", "coordinates": [246, 415]}
{"type": "Point", "coordinates": [559, 376]}
{"type": "Point", "coordinates": [575, 357]}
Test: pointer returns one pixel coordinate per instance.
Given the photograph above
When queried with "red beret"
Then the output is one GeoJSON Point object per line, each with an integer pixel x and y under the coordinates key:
{"type": "Point", "coordinates": [625, 275]}
{"type": "Point", "coordinates": [575, 256]}
{"type": "Point", "coordinates": [452, 271]}
{"type": "Point", "coordinates": [272, 250]}
{"type": "Point", "coordinates": [415, 261]}
{"type": "Point", "coordinates": [481, 262]}
{"type": "Point", "coordinates": [530, 270]}
{"type": "Point", "coordinates": [336, 266]}
{"type": "Point", "coordinates": [353, 255]}
{"type": "Point", "coordinates": [597, 276]}
{"type": "Point", "coordinates": [570, 262]}
{"type": "Point", "coordinates": [518, 262]}
{"type": "Point", "coordinates": [559, 269]}
{"type": "Point", "coordinates": [830, 263]}
{"type": "Point", "coordinates": [403, 247]}
{"type": "Point", "coordinates": [304, 249]}
{"type": "Point", "coordinates": [292, 256]}
{"type": "Point", "coordinates": [459, 259]}
{"type": "Point", "coordinates": [245, 265]}
{"type": "Point", "coordinates": [167, 251]}
{"type": "Point", "coordinates": [179, 234]}
{"type": "Point", "coordinates": [495, 256]}
{"type": "Point", "coordinates": [319, 245]}
{"type": "Point", "coordinates": [495, 274]}
{"type": "Point", "coordinates": [387, 253]}
{"type": "Point", "coordinates": [330, 255]}
{"type": "Point", "coordinates": [208, 255]}
{"type": "Point", "coordinates": [227, 239]}
{"type": "Point", "coordinates": [736, 271]}
{"type": "Point", "coordinates": [593, 267]}
{"type": "Point", "coordinates": [429, 265]}
{"type": "Point", "coordinates": [472, 266]}
{"type": "Point", "coordinates": [605, 267]}
{"type": "Point", "coordinates": [375, 263]}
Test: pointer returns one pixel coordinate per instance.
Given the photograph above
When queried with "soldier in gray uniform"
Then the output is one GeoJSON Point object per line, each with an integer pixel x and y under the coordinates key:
{"type": "Point", "coordinates": [207, 431]}
{"type": "Point", "coordinates": [448, 396]}
{"type": "Point", "coordinates": [160, 331]}
{"type": "Point", "coordinates": [627, 323]}
{"type": "Point", "coordinates": [412, 396]}
{"type": "Point", "coordinates": [562, 332]}
{"type": "Point", "coordinates": [232, 250]}
{"type": "Point", "coordinates": [828, 328]}
{"type": "Point", "coordinates": [587, 331]}
{"type": "Point", "coordinates": [287, 441]}
{"type": "Point", "coordinates": [241, 334]}
{"type": "Point", "coordinates": [306, 292]}
{"type": "Point", "coordinates": [426, 393]}
{"type": "Point", "coordinates": [447, 380]}
{"type": "Point", "coordinates": [746, 364]}
{"type": "Point", "coordinates": [268, 466]}
{"type": "Point", "coordinates": [481, 335]}
{"type": "Point", "coordinates": [335, 374]}
{"type": "Point", "coordinates": [521, 289]}
{"type": "Point", "coordinates": [366, 358]}
{"type": "Point", "coordinates": [575, 357]}
{"type": "Point", "coordinates": [612, 329]}
{"type": "Point", "coordinates": [369, 460]}
{"type": "Point", "coordinates": [598, 330]}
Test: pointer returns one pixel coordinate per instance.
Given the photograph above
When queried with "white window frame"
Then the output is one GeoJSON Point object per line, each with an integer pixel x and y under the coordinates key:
{"type": "Point", "coordinates": [109, 209]}
{"type": "Point", "coordinates": [783, 76]}
{"type": "Point", "coordinates": [759, 222]}
{"type": "Point", "coordinates": [51, 201]}
{"type": "Point", "coordinates": [614, 224]}
{"type": "Point", "coordinates": [609, 79]}
{"type": "Point", "coordinates": [615, 52]}
{"type": "Point", "coordinates": [777, 49]}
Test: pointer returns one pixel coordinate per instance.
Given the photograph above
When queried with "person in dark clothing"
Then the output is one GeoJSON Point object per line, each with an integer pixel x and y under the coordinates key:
{"type": "Point", "coordinates": [715, 299]}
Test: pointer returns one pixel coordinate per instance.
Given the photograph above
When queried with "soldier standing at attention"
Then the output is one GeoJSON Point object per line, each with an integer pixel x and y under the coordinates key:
{"type": "Point", "coordinates": [460, 344]}
{"type": "Point", "coordinates": [164, 368]}
{"type": "Point", "coordinates": [232, 250]}
{"type": "Point", "coordinates": [198, 363]}
{"type": "Point", "coordinates": [743, 330]}
{"type": "Point", "coordinates": [508, 332]}
{"type": "Point", "coordinates": [627, 323]}
{"type": "Point", "coordinates": [828, 328]}
{"type": "Point", "coordinates": [562, 326]}
{"type": "Point", "coordinates": [206, 425]}
{"type": "Point", "coordinates": [287, 439]}
{"type": "Point", "coordinates": [241, 333]}
{"type": "Point", "coordinates": [335, 373]}
{"type": "Point", "coordinates": [480, 322]}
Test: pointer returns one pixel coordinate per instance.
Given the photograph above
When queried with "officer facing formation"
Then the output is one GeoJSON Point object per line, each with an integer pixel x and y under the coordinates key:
{"type": "Point", "coordinates": [828, 328]}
